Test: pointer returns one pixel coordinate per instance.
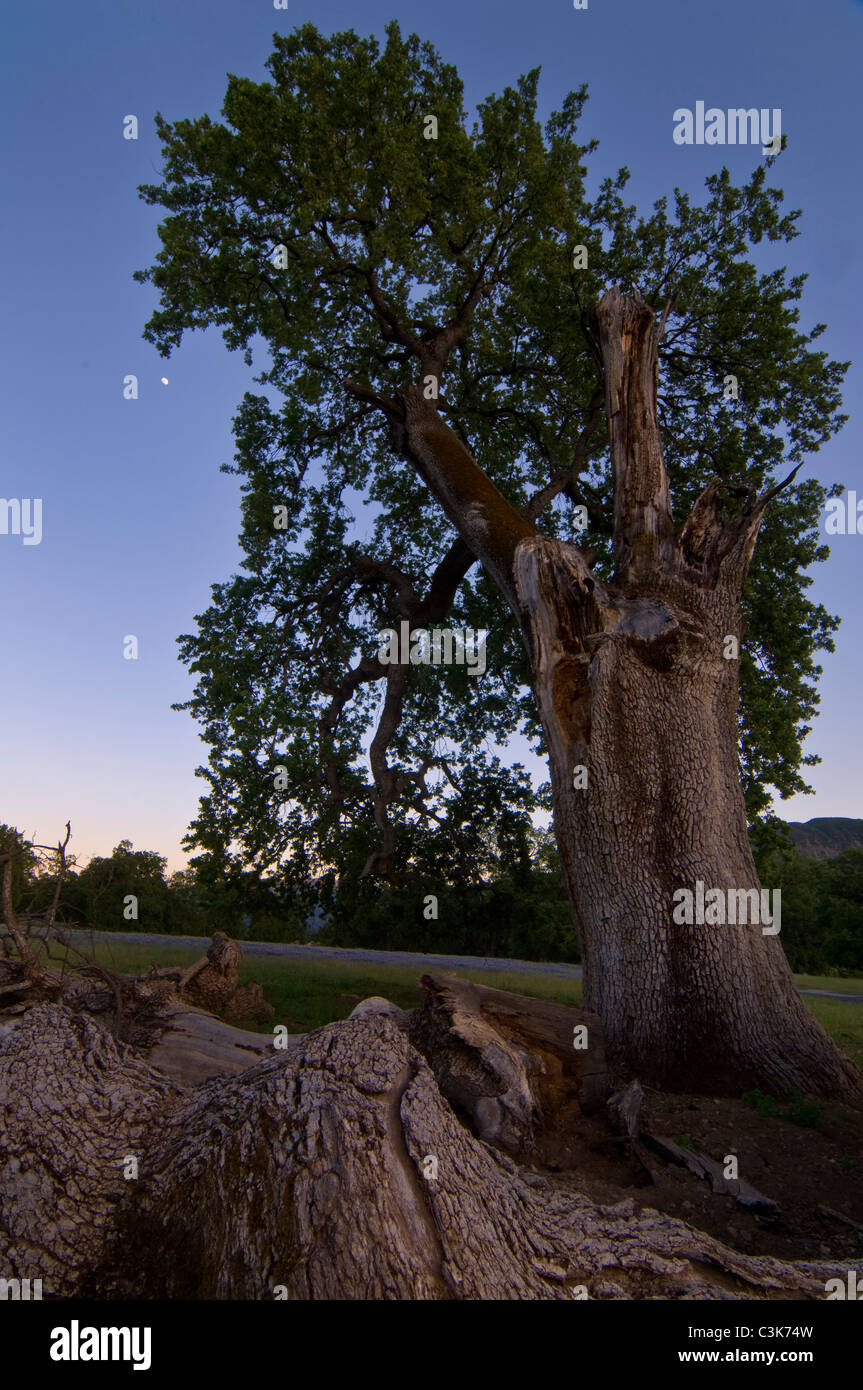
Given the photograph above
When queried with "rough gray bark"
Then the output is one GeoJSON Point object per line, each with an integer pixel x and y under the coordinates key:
{"type": "Point", "coordinates": [632, 684]}
{"type": "Point", "coordinates": [156, 1012]}
{"type": "Point", "coordinates": [195, 1046]}
{"type": "Point", "coordinates": [213, 983]}
{"type": "Point", "coordinates": [307, 1176]}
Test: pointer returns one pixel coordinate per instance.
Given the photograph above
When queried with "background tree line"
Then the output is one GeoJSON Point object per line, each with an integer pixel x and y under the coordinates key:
{"type": "Point", "coordinates": [516, 906]}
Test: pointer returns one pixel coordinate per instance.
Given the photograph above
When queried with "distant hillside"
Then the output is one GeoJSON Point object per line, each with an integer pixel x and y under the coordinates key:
{"type": "Point", "coordinates": [826, 836]}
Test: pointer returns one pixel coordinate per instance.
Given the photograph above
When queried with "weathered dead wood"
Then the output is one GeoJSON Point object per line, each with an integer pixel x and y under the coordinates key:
{"type": "Point", "coordinates": [510, 1062]}
{"type": "Point", "coordinates": [213, 983]}
{"type": "Point", "coordinates": [17, 977]}
{"type": "Point", "coordinates": [624, 1110]}
{"type": "Point", "coordinates": [212, 980]}
{"type": "Point", "coordinates": [629, 338]}
{"type": "Point", "coordinates": [308, 1176]}
{"type": "Point", "coordinates": [704, 1167]}
{"type": "Point", "coordinates": [74, 1105]}
{"type": "Point", "coordinates": [196, 1046]}
{"type": "Point", "coordinates": [839, 1216]}
{"type": "Point", "coordinates": [182, 1041]}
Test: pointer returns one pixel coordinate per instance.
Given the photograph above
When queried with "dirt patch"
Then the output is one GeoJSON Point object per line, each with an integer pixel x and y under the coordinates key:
{"type": "Point", "coordinates": [801, 1168]}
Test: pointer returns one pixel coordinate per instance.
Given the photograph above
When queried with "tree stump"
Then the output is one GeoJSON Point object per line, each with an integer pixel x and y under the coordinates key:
{"type": "Point", "coordinates": [516, 1066]}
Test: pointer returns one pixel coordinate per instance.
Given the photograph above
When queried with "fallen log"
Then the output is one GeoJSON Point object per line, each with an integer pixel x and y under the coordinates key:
{"type": "Point", "coordinates": [164, 1013]}
{"type": "Point", "coordinates": [195, 1046]}
{"type": "Point", "coordinates": [213, 983]}
{"type": "Point", "coordinates": [331, 1169]}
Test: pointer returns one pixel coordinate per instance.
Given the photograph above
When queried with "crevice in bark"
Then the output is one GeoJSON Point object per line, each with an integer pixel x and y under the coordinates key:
{"type": "Point", "coordinates": [416, 1182]}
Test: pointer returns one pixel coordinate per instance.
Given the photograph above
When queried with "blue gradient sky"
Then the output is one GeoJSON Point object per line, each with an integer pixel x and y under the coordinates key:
{"type": "Point", "coordinates": [138, 521]}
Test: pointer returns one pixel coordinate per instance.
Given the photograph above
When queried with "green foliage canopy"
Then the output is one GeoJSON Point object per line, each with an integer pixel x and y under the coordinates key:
{"type": "Point", "coordinates": [405, 256]}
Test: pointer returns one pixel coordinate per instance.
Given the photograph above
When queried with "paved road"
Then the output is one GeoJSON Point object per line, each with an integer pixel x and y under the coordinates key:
{"type": "Point", "coordinates": [829, 994]}
{"type": "Point", "coordinates": [420, 963]}
{"type": "Point", "coordinates": [351, 953]}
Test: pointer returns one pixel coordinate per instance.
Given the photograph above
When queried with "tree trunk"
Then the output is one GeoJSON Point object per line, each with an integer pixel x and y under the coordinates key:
{"type": "Point", "coordinates": [308, 1175]}
{"type": "Point", "coordinates": [633, 686]}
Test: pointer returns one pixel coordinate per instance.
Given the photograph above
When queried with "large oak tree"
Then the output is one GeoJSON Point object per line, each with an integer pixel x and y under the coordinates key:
{"type": "Point", "coordinates": [538, 440]}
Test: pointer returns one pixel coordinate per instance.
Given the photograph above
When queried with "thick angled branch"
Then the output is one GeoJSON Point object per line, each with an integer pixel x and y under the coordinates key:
{"type": "Point", "coordinates": [441, 342]}
{"type": "Point", "coordinates": [442, 590]}
{"type": "Point", "coordinates": [380, 860]}
{"type": "Point", "coordinates": [368, 669]}
{"type": "Point", "coordinates": [488, 524]}
{"type": "Point", "coordinates": [391, 325]}
{"type": "Point", "coordinates": [445, 582]}
{"type": "Point", "coordinates": [419, 613]}
{"type": "Point", "coordinates": [568, 479]}
{"type": "Point", "coordinates": [367, 393]}
{"type": "Point", "coordinates": [367, 569]}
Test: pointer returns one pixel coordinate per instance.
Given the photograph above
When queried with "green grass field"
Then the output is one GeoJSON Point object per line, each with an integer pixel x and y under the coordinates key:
{"type": "Point", "coordinates": [309, 993]}
{"type": "Point", "coordinates": [844, 1023]}
{"type": "Point", "coordinates": [841, 986]}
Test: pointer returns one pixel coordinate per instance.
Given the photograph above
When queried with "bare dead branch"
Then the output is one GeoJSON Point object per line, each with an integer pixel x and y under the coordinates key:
{"type": "Point", "coordinates": [643, 525]}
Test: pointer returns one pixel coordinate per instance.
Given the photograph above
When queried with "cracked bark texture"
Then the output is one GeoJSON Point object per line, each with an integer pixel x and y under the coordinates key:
{"type": "Point", "coordinates": [305, 1176]}
{"type": "Point", "coordinates": [632, 684]}
{"type": "Point", "coordinates": [74, 1105]}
